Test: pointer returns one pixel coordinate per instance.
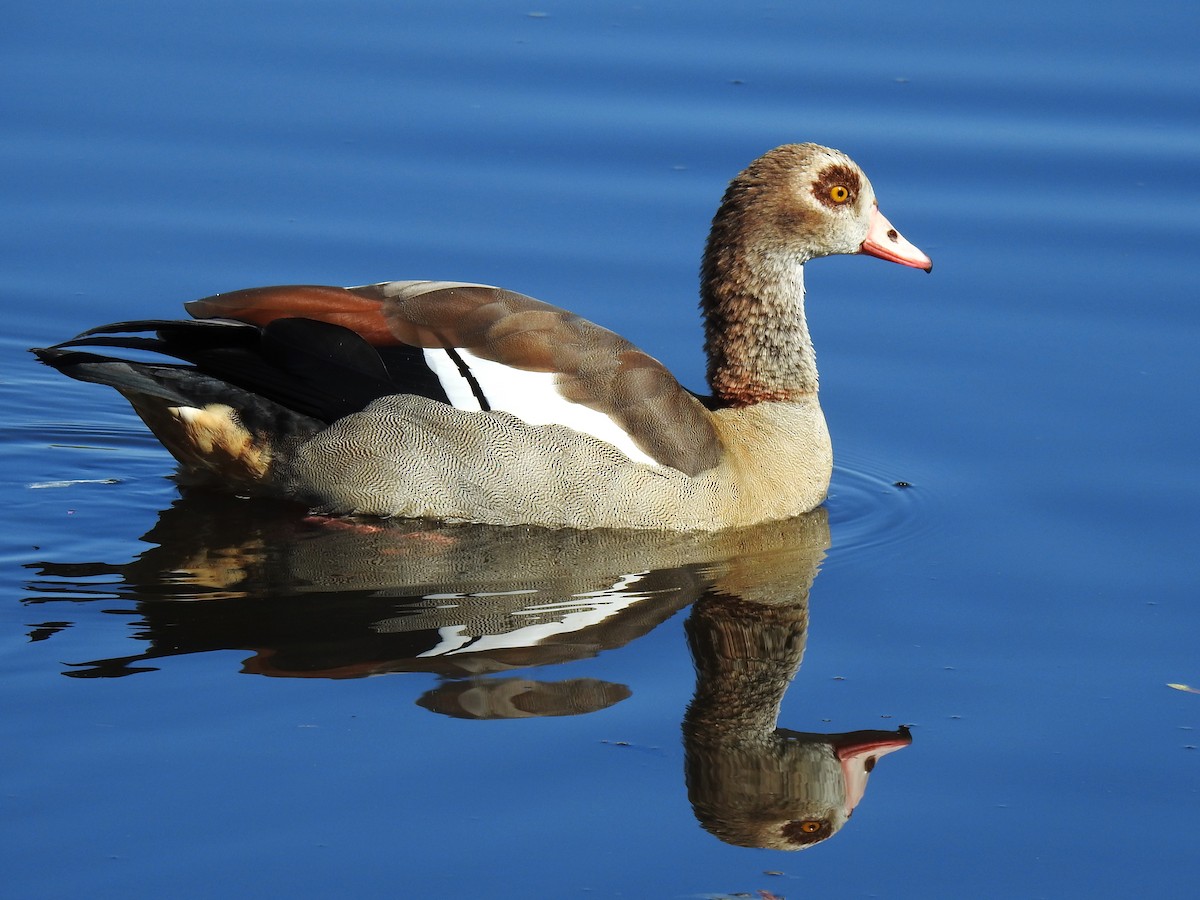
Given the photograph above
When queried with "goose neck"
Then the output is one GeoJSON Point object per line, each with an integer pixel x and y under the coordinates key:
{"type": "Point", "coordinates": [756, 334]}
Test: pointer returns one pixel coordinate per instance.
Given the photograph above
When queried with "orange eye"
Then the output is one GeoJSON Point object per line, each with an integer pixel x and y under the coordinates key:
{"type": "Point", "coordinates": [810, 826]}
{"type": "Point", "coordinates": [839, 194]}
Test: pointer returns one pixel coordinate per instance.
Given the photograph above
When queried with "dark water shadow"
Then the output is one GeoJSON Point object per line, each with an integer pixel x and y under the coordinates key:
{"type": "Point", "coordinates": [474, 604]}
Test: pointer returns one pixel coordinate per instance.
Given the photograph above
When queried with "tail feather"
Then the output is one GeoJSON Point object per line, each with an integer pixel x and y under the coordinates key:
{"type": "Point", "coordinates": [218, 432]}
{"type": "Point", "coordinates": [232, 401]}
{"type": "Point", "coordinates": [127, 377]}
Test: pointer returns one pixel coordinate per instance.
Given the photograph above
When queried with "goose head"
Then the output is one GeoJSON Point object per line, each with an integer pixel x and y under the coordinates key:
{"type": "Point", "coordinates": [803, 201]}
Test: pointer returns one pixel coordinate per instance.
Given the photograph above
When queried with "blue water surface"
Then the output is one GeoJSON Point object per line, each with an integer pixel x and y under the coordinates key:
{"type": "Point", "coordinates": [185, 680]}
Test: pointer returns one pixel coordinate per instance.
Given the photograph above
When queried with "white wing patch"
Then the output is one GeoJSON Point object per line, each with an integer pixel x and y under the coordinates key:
{"type": "Point", "coordinates": [530, 396]}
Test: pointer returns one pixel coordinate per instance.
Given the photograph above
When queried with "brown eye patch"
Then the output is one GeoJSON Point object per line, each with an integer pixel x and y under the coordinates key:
{"type": "Point", "coordinates": [837, 185]}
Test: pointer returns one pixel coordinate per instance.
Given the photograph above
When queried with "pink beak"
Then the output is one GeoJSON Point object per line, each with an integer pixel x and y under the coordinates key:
{"type": "Point", "coordinates": [887, 243]}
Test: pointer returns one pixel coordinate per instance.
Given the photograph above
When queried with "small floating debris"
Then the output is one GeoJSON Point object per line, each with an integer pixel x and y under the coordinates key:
{"type": "Point", "coordinates": [39, 485]}
{"type": "Point", "coordinates": [1184, 687]}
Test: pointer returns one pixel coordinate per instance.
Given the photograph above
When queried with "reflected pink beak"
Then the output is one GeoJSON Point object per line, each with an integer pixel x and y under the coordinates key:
{"type": "Point", "coordinates": [887, 243]}
{"type": "Point", "coordinates": [858, 759]}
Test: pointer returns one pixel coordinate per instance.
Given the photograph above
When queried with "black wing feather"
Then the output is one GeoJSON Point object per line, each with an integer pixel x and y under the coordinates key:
{"type": "Point", "coordinates": [315, 368]}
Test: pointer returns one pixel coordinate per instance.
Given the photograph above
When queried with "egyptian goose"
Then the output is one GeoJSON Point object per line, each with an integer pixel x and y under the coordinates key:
{"type": "Point", "coordinates": [464, 402]}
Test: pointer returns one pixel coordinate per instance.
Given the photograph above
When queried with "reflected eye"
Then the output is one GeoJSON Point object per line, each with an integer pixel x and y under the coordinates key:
{"type": "Point", "coordinates": [803, 832]}
{"type": "Point", "coordinates": [839, 193]}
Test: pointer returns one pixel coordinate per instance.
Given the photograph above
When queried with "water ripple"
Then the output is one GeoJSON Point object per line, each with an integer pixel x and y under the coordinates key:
{"type": "Point", "coordinates": [869, 509]}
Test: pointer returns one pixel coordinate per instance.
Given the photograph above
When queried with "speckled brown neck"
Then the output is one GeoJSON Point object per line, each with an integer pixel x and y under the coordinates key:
{"type": "Point", "coordinates": [756, 336]}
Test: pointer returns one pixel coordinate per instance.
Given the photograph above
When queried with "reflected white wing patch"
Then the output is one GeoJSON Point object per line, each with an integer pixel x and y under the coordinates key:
{"type": "Point", "coordinates": [530, 396]}
{"type": "Point", "coordinates": [569, 615]}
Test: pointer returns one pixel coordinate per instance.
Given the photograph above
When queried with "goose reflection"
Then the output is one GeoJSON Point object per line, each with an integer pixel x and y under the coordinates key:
{"type": "Point", "coordinates": [330, 599]}
{"type": "Point", "coordinates": [750, 783]}
{"type": "Point", "coordinates": [472, 604]}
